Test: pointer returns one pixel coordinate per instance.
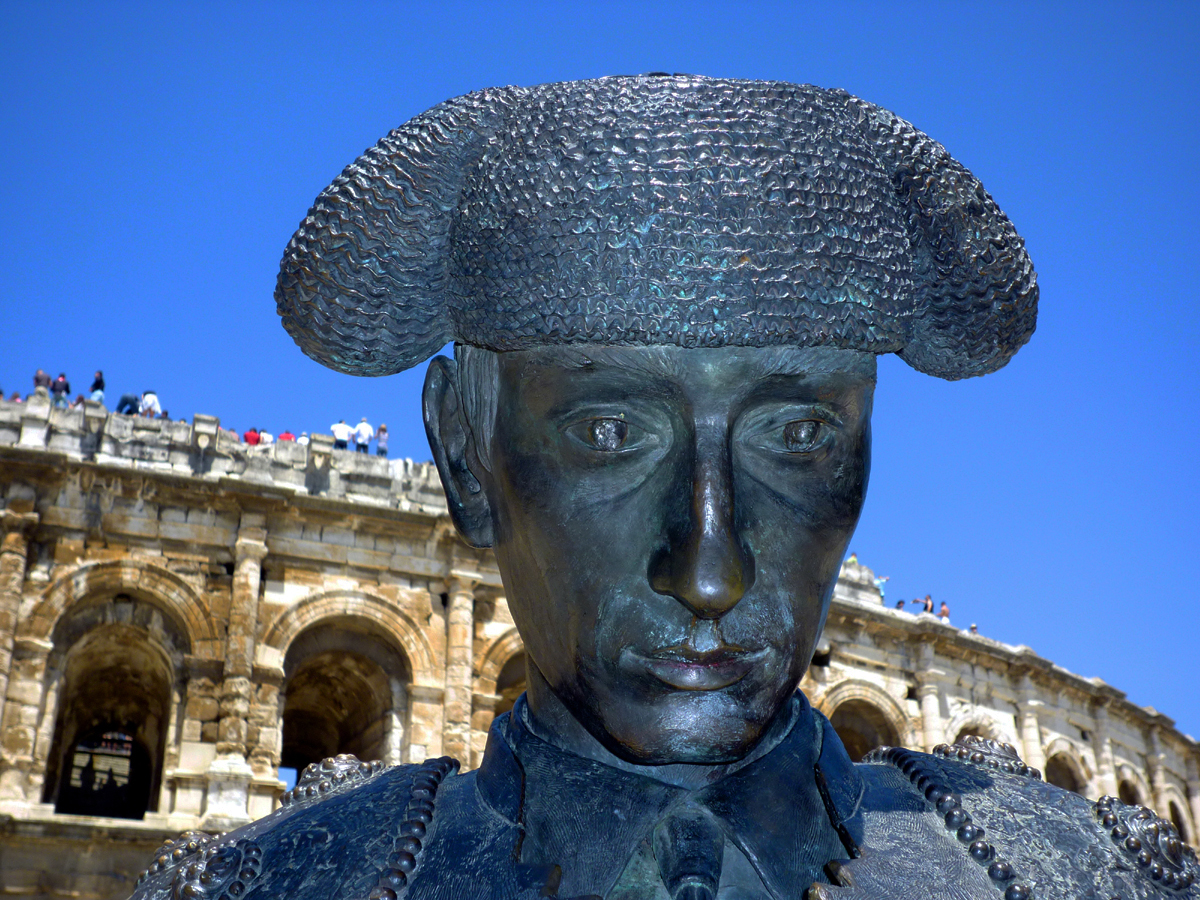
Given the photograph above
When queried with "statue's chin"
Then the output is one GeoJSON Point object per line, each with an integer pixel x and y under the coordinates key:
{"type": "Point", "coordinates": [691, 733]}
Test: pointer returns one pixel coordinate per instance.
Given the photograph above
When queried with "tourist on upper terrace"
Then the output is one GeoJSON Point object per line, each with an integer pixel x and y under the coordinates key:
{"type": "Point", "coordinates": [880, 581]}
{"type": "Point", "coordinates": [97, 388]}
{"type": "Point", "coordinates": [926, 604]}
{"type": "Point", "coordinates": [16, 397]}
{"type": "Point", "coordinates": [341, 435]}
{"type": "Point", "coordinates": [381, 441]}
{"type": "Point", "coordinates": [286, 435]}
{"type": "Point", "coordinates": [944, 613]}
{"type": "Point", "coordinates": [59, 389]}
{"type": "Point", "coordinates": [251, 437]}
{"type": "Point", "coordinates": [303, 439]}
{"type": "Point", "coordinates": [129, 404]}
{"type": "Point", "coordinates": [265, 437]}
{"type": "Point", "coordinates": [363, 432]}
{"type": "Point", "coordinates": [151, 408]}
{"type": "Point", "coordinates": [41, 380]}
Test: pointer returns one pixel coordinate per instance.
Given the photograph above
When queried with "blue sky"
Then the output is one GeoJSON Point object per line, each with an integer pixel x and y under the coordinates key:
{"type": "Point", "coordinates": [158, 157]}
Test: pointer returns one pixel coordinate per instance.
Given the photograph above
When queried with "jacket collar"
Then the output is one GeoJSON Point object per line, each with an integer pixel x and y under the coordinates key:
{"type": "Point", "coordinates": [789, 812]}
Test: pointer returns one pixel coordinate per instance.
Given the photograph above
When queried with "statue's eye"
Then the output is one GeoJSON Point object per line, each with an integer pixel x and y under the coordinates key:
{"type": "Point", "coordinates": [801, 436]}
{"type": "Point", "coordinates": [607, 435]}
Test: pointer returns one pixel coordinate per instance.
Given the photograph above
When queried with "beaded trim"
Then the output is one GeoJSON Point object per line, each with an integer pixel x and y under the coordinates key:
{"type": "Point", "coordinates": [330, 776]}
{"type": "Point", "coordinates": [1152, 842]}
{"type": "Point", "coordinates": [986, 752]}
{"type": "Point", "coordinates": [949, 806]}
{"type": "Point", "coordinates": [406, 850]}
{"type": "Point", "coordinates": [176, 850]}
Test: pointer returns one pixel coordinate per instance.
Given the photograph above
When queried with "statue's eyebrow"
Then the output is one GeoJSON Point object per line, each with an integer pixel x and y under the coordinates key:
{"type": "Point", "coordinates": [582, 359]}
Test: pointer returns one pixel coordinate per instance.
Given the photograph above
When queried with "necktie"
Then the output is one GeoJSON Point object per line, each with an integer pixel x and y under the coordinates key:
{"type": "Point", "coordinates": [688, 846]}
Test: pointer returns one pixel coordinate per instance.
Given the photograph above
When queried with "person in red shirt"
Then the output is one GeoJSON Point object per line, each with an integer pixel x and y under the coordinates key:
{"type": "Point", "coordinates": [286, 435]}
{"type": "Point", "coordinates": [251, 437]}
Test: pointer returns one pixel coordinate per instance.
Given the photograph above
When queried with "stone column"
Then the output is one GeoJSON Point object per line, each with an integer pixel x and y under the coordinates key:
{"type": "Point", "coordinates": [1031, 732]}
{"type": "Point", "coordinates": [1158, 779]}
{"type": "Point", "coordinates": [229, 774]}
{"type": "Point", "coordinates": [22, 713]}
{"type": "Point", "coordinates": [14, 554]}
{"type": "Point", "coordinates": [929, 695]}
{"type": "Point", "coordinates": [395, 738]}
{"type": "Point", "coordinates": [237, 688]}
{"type": "Point", "coordinates": [1106, 766]}
{"type": "Point", "coordinates": [460, 639]}
{"type": "Point", "coordinates": [265, 734]}
{"type": "Point", "coordinates": [1193, 792]}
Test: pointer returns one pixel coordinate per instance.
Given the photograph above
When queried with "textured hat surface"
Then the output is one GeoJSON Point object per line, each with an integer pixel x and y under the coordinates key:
{"type": "Point", "coordinates": [657, 210]}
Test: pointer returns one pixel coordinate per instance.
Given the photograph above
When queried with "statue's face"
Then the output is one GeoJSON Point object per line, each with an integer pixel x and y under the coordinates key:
{"type": "Point", "coordinates": [669, 524]}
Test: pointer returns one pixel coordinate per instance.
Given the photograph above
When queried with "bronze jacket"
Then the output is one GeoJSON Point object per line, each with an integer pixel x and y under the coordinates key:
{"type": "Point", "coordinates": [968, 822]}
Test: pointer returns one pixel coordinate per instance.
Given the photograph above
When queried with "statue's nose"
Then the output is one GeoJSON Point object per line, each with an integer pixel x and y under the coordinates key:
{"type": "Point", "coordinates": [705, 566]}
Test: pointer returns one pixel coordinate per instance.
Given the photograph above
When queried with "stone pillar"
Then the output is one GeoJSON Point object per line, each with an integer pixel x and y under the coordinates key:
{"type": "Point", "coordinates": [1193, 792]}
{"type": "Point", "coordinates": [460, 640]}
{"type": "Point", "coordinates": [929, 695]}
{"type": "Point", "coordinates": [14, 553]}
{"type": "Point", "coordinates": [265, 733]}
{"type": "Point", "coordinates": [1106, 766]}
{"type": "Point", "coordinates": [1031, 732]}
{"type": "Point", "coordinates": [229, 774]}
{"type": "Point", "coordinates": [237, 688]}
{"type": "Point", "coordinates": [22, 713]}
{"type": "Point", "coordinates": [1158, 778]}
{"type": "Point", "coordinates": [395, 738]}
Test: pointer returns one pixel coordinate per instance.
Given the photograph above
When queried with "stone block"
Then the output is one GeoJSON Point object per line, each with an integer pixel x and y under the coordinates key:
{"type": "Point", "coordinates": [209, 732]}
{"type": "Point", "coordinates": [290, 453]}
{"type": "Point", "coordinates": [202, 709]}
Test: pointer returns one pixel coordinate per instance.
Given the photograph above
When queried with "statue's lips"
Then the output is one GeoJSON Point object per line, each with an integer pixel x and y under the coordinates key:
{"type": "Point", "coordinates": [685, 669]}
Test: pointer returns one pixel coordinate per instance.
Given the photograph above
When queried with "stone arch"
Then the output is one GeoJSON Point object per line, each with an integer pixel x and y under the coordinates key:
{"type": "Point", "coordinates": [1065, 767]}
{"type": "Point", "coordinates": [976, 722]}
{"type": "Point", "coordinates": [112, 697]}
{"type": "Point", "coordinates": [1132, 788]}
{"type": "Point", "coordinates": [387, 617]}
{"type": "Point", "coordinates": [96, 581]}
{"type": "Point", "coordinates": [494, 658]}
{"type": "Point", "coordinates": [863, 713]}
{"type": "Point", "coordinates": [344, 691]}
{"type": "Point", "coordinates": [1176, 813]}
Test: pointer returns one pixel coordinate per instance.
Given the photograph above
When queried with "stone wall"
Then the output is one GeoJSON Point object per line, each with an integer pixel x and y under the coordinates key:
{"type": "Point", "coordinates": [218, 612]}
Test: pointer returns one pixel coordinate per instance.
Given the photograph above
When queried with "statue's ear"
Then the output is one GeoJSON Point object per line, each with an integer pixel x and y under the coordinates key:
{"type": "Point", "coordinates": [450, 438]}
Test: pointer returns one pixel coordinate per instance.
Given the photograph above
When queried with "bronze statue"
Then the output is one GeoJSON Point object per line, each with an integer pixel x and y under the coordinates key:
{"type": "Point", "coordinates": [667, 294]}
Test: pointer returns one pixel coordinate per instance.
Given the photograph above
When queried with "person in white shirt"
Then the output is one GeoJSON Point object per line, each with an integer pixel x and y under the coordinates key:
{"type": "Point", "coordinates": [363, 433]}
{"type": "Point", "coordinates": [265, 437]}
{"type": "Point", "coordinates": [150, 406]}
{"type": "Point", "coordinates": [341, 435]}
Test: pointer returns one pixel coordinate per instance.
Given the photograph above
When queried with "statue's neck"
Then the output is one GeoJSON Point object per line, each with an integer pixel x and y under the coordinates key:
{"type": "Point", "coordinates": [549, 719]}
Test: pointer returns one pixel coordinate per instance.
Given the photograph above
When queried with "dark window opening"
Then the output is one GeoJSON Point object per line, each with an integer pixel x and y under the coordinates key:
{"type": "Point", "coordinates": [1128, 793]}
{"type": "Point", "coordinates": [344, 694]}
{"type": "Point", "coordinates": [1178, 821]}
{"type": "Point", "coordinates": [1061, 773]}
{"type": "Point", "coordinates": [862, 727]}
{"type": "Point", "coordinates": [107, 773]}
{"type": "Point", "coordinates": [510, 683]}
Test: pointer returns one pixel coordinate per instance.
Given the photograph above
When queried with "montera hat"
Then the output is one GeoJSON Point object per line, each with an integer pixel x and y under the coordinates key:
{"type": "Point", "coordinates": [681, 210]}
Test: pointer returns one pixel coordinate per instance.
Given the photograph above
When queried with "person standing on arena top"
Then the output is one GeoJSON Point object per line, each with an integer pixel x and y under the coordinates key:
{"type": "Point", "coordinates": [363, 432]}
{"type": "Point", "coordinates": [341, 435]}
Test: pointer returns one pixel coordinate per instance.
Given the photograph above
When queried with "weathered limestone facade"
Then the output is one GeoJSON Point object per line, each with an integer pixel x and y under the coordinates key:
{"type": "Point", "coordinates": [182, 615]}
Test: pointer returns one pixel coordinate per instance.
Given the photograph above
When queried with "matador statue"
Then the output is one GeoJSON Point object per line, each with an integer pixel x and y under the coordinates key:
{"type": "Point", "coordinates": [666, 296]}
